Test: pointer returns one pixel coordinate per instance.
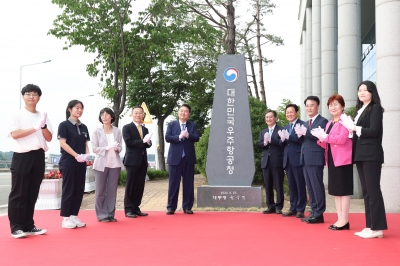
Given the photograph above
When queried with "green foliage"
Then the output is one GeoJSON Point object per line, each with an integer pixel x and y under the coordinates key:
{"type": "Point", "coordinates": [157, 174]}
{"type": "Point", "coordinates": [350, 111]}
{"type": "Point", "coordinates": [6, 156]}
{"type": "Point", "coordinates": [201, 151]}
{"type": "Point", "coordinates": [122, 178]}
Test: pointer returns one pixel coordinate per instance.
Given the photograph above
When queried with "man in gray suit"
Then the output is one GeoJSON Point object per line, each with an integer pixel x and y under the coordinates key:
{"type": "Point", "coordinates": [313, 161]}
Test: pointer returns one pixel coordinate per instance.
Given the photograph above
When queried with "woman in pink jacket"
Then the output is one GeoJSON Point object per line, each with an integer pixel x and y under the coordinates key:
{"type": "Point", "coordinates": [338, 156]}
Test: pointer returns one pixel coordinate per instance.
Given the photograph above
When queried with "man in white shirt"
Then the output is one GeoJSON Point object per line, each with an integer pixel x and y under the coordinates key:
{"type": "Point", "coordinates": [30, 131]}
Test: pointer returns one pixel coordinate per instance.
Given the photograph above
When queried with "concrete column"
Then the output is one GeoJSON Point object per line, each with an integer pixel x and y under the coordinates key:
{"type": "Point", "coordinates": [308, 52]}
{"type": "Point", "coordinates": [349, 49]}
{"type": "Point", "coordinates": [388, 68]}
{"type": "Point", "coordinates": [328, 53]}
{"type": "Point", "coordinates": [303, 75]}
{"type": "Point", "coordinates": [316, 48]}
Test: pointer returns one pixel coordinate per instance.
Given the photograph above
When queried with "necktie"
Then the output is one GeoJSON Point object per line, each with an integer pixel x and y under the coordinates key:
{"type": "Point", "coordinates": [290, 128]}
{"type": "Point", "coordinates": [270, 131]}
{"type": "Point", "coordinates": [310, 124]}
{"type": "Point", "coordinates": [183, 139]}
{"type": "Point", "coordinates": [139, 128]}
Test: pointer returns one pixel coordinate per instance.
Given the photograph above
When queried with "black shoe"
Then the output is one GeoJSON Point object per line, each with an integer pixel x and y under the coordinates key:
{"type": "Point", "coordinates": [344, 227]}
{"type": "Point", "coordinates": [188, 211]}
{"type": "Point", "coordinates": [269, 210]}
{"type": "Point", "coordinates": [300, 215]}
{"type": "Point", "coordinates": [316, 220]}
{"type": "Point", "coordinates": [331, 226]}
{"type": "Point", "coordinates": [170, 212]}
{"type": "Point", "coordinates": [112, 219]}
{"type": "Point", "coordinates": [139, 213]}
{"type": "Point", "coordinates": [306, 219]}
{"type": "Point", "coordinates": [278, 211]}
{"type": "Point", "coordinates": [18, 234]}
{"type": "Point", "coordinates": [105, 220]}
{"type": "Point", "coordinates": [130, 215]}
{"type": "Point", "coordinates": [289, 213]}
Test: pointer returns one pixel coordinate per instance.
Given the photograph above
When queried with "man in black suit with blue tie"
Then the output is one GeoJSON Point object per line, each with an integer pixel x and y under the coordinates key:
{"type": "Point", "coordinates": [181, 134]}
{"type": "Point", "coordinates": [291, 163]}
{"type": "Point", "coordinates": [313, 160]}
{"type": "Point", "coordinates": [272, 163]}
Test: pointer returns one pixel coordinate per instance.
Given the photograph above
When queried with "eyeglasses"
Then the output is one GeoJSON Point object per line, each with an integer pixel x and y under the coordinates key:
{"type": "Point", "coordinates": [33, 95]}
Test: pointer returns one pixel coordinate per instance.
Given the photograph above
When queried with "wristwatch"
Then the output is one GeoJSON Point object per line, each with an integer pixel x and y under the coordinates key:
{"type": "Point", "coordinates": [45, 126]}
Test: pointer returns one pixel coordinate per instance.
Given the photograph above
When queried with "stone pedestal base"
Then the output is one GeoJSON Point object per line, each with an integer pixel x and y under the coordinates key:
{"type": "Point", "coordinates": [90, 184]}
{"type": "Point", "coordinates": [214, 196]}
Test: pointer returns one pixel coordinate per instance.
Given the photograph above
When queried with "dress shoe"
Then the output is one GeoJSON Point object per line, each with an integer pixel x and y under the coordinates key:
{"type": "Point", "coordinates": [269, 210]}
{"type": "Point", "coordinates": [139, 213]}
{"type": "Point", "coordinates": [331, 226]}
{"type": "Point", "coordinates": [344, 227]}
{"type": "Point", "coordinates": [306, 218]}
{"type": "Point", "coordinates": [278, 211]}
{"type": "Point", "coordinates": [170, 212]}
{"type": "Point", "coordinates": [188, 211]}
{"type": "Point", "coordinates": [112, 219]}
{"type": "Point", "coordinates": [289, 213]}
{"type": "Point", "coordinates": [316, 220]}
{"type": "Point", "coordinates": [300, 215]}
{"type": "Point", "coordinates": [372, 234]}
{"type": "Point", "coordinates": [130, 215]}
{"type": "Point", "coordinates": [361, 232]}
{"type": "Point", "coordinates": [105, 220]}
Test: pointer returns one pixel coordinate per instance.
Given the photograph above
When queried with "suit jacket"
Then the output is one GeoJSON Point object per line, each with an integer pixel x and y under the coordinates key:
{"type": "Point", "coordinates": [368, 147]}
{"type": "Point", "coordinates": [340, 144]}
{"type": "Point", "coordinates": [311, 152]}
{"type": "Point", "coordinates": [273, 151]}
{"type": "Point", "coordinates": [99, 144]}
{"type": "Point", "coordinates": [292, 146]}
{"type": "Point", "coordinates": [177, 146]}
{"type": "Point", "coordinates": [135, 148]}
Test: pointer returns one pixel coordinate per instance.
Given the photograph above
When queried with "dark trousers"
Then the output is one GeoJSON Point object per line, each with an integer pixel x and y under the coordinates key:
{"type": "Point", "coordinates": [27, 171]}
{"type": "Point", "coordinates": [273, 176]}
{"type": "Point", "coordinates": [73, 187]}
{"type": "Point", "coordinates": [297, 187]}
{"type": "Point", "coordinates": [135, 179]}
{"type": "Point", "coordinates": [314, 175]}
{"type": "Point", "coordinates": [370, 177]}
{"type": "Point", "coordinates": [186, 171]}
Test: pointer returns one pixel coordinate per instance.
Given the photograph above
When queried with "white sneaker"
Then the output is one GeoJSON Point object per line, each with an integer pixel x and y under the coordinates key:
{"type": "Point", "coordinates": [67, 223]}
{"type": "Point", "coordinates": [372, 234]}
{"type": "Point", "coordinates": [361, 232]}
{"type": "Point", "coordinates": [76, 221]}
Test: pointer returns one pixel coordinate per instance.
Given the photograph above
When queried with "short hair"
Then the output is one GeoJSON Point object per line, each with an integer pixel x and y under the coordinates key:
{"type": "Point", "coordinates": [312, 98]}
{"type": "Point", "coordinates": [296, 108]}
{"type": "Point", "coordinates": [187, 106]}
{"type": "Point", "coordinates": [137, 106]}
{"type": "Point", "coordinates": [108, 111]}
{"type": "Point", "coordinates": [271, 111]}
{"type": "Point", "coordinates": [71, 105]}
{"type": "Point", "coordinates": [31, 88]}
{"type": "Point", "coordinates": [336, 97]}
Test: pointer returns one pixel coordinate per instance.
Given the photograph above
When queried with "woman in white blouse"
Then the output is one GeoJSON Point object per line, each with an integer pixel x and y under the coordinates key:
{"type": "Point", "coordinates": [106, 144]}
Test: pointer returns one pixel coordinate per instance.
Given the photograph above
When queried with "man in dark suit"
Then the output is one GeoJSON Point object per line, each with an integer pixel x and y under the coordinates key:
{"type": "Point", "coordinates": [313, 160]}
{"type": "Point", "coordinates": [137, 139]}
{"type": "Point", "coordinates": [181, 134]}
{"type": "Point", "coordinates": [272, 163]}
{"type": "Point", "coordinates": [291, 163]}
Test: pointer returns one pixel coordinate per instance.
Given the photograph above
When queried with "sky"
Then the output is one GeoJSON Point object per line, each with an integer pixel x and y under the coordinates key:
{"type": "Point", "coordinates": [24, 25]}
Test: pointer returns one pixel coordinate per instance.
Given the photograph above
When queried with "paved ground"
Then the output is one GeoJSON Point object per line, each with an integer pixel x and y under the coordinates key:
{"type": "Point", "coordinates": [156, 192]}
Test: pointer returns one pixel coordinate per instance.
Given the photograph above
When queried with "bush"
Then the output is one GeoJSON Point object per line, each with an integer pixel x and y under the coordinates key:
{"type": "Point", "coordinates": [201, 152]}
{"type": "Point", "coordinates": [157, 174]}
{"type": "Point", "coordinates": [122, 178]}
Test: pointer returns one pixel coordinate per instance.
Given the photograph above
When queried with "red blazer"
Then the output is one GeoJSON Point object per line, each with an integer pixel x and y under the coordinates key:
{"type": "Point", "coordinates": [341, 144]}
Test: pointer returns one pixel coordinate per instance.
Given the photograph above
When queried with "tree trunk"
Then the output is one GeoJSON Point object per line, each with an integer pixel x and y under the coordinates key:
{"type": "Point", "coordinates": [117, 96]}
{"type": "Point", "coordinates": [253, 73]}
{"type": "Point", "coordinates": [259, 55]}
{"type": "Point", "coordinates": [231, 28]}
{"type": "Point", "coordinates": [161, 144]}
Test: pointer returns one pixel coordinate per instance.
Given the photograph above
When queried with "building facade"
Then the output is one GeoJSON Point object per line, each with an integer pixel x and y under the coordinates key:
{"type": "Point", "coordinates": [344, 42]}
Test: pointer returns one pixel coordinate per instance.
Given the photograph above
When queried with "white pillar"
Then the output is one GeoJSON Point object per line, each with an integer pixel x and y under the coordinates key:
{"type": "Point", "coordinates": [349, 49]}
{"type": "Point", "coordinates": [328, 53]}
{"type": "Point", "coordinates": [303, 75]}
{"type": "Point", "coordinates": [308, 52]}
{"type": "Point", "coordinates": [387, 71]}
{"type": "Point", "coordinates": [316, 48]}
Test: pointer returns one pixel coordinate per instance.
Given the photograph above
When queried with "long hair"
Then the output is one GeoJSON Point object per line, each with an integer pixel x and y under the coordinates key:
{"type": "Point", "coordinates": [71, 105]}
{"type": "Point", "coordinates": [375, 99]}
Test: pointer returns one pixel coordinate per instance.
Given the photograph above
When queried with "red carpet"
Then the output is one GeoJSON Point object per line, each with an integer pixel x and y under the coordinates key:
{"type": "Point", "coordinates": [205, 238]}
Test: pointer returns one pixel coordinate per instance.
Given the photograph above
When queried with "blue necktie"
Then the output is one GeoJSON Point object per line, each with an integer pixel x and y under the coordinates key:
{"type": "Point", "coordinates": [183, 139]}
{"type": "Point", "coordinates": [290, 128]}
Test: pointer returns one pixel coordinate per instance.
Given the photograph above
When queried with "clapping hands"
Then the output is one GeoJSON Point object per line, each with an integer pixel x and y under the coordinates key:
{"type": "Point", "coordinates": [319, 133]}
{"type": "Point", "coordinates": [267, 138]}
{"type": "Point", "coordinates": [347, 122]}
{"type": "Point", "coordinates": [283, 134]}
{"type": "Point", "coordinates": [184, 134]}
{"type": "Point", "coordinates": [300, 130]}
{"type": "Point", "coordinates": [41, 122]}
{"type": "Point", "coordinates": [147, 138]}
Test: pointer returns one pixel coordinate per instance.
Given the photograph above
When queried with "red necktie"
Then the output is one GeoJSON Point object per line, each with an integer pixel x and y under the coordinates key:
{"type": "Point", "coordinates": [310, 124]}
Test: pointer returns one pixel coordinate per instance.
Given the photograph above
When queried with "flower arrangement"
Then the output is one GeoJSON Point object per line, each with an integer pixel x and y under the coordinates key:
{"type": "Point", "coordinates": [89, 163]}
{"type": "Point", "coordinates": [53, 175]}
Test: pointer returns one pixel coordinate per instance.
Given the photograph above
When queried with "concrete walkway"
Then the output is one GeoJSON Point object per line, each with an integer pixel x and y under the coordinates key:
{"type": "Point", "coordinates": [155, 198]}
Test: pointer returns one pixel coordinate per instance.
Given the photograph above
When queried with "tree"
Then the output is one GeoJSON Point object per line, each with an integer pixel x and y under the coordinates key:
{"type": "Point", "coordinates": [176, 61]}
{"type": "Point", "coordinates": [100, 26]}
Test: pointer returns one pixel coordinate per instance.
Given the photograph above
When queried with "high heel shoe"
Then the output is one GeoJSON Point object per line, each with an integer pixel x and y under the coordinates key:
{"type": "Point", "coordinates": [344, 227]}
{"type": "Point", "coordinates": [331, 226]}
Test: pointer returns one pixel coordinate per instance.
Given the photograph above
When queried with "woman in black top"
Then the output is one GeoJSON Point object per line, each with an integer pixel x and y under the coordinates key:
{"type": "Point", "coordinates": [73, 137]}
{"type": "Point", "coordinates": [368, 156]}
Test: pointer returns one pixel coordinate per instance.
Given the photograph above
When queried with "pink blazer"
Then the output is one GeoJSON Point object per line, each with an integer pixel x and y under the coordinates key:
{"type": "Point", "coordinates": [341, 145]}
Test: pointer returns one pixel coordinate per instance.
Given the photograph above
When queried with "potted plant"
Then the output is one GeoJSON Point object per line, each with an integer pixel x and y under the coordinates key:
{"type": "Point", "coordinates": [90, 184]}
{"type": "Point", "coordinates": [50, 191]}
